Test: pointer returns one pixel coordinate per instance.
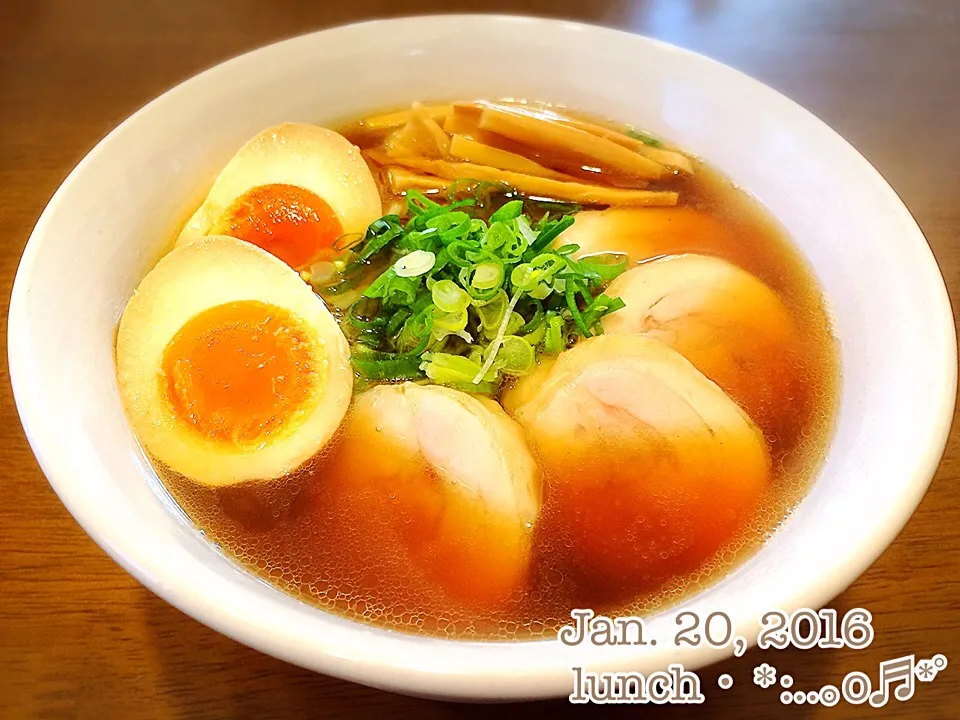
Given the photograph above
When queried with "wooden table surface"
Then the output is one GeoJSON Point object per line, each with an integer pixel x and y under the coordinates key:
{"type": "Point", "coordinates": [79, 638]}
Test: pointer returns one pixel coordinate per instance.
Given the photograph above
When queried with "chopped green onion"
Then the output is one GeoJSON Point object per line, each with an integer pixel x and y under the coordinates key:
{"type": "Point", "coordinates": [495, 345]}
{"type": "Point", "coordinates": [454, 321]}
{"type": "Point", "coordinates": [449, 221]}
{"type": "Point", "coordinates": [550, 233]}
{"type": "Point", "coordinates": [508, 211]}
{"type": "Point", "coordinates": [443, 367]}
{"type": "Point", "coordinates": [456, 371]}
{"type": "Point", "coordinates": [380, 233]}
{"type": "Point", "coordinates": [570, 293]}
{"type": "Point", "coordinates": [347, 241]}
{"type": "Point", "coordinates": [553, 341]}
{"type": "Point", "coordinates": [523, 227]}
{"type": "Point", "coordinates": [418, 203]}
{"type": "Point", "coordinates": [524, 277]}
{"type": "Point", "coordinates": [535, 336]}
{"type": "Point", "coordinates": [422, 218]}
{"type": "Point", "coordinates": [607, 265]}
{"type": "Point", "coordinates": [491, 314]}
{"type": "Point", "coordinates": [487, 275]}
{"type": "Point", "coordinates": [601, 306]}
{"type": "Point", "coordinates": [423, 302]}
{"type": "Point", "coordinates": [498, 296]}
{"type": "Point", "coordinates": [415, 335]}
{"type": "Point", "coordinates": [541, 291]}
{"type": "Point", "coordinates": [476, 354]}
{"type": "Point", "coordinates": [443, 259]}
{"type": "Point", "coordinates": [481, 190]}
{"type": "Point", "coordinates": [449, 297]}
{"type": "Point", "coordinates": [401, 290]}
{"type": "Point", "coordinates": [457, 252]}
{"type": "Point", "coordinates": [462, 301]}
{"type": "Point", "coordinates": [397, 321]}
{"type": "Point", "coordinates": [516, 356]}
{"type": "Point", "coordinates": [387, 366]}
{"type": "Point", "coordinates": [322, 273]}
{"type": "Point", "coordinates": [515, 322]}
{"type": "Point", "coordinates": [549, 264]}
{"type": "Point", "coordinates": [534, 322]}
{"type": "Point", "coordinates": [480, 295]}
{"type": "Point", "coordinates": [485, 387]}
{"type": "Point", "coordinates": [419, 262]}
{"type": "Point", "coordinates": [515, 246]}
{"type": "Point", "coordinates": [643, 137]}
{"type": "Point", "coordinates": [378, 286]}
{"type": "Point", "coordinates": [365, 313]}
{"type": "Point", "coordinates": [370, 338]}
{"type": "Point", "coordinates": [497, 236]}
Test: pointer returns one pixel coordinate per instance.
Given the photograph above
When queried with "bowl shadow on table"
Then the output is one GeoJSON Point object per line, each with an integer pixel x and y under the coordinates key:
{"type": "Point", "coordinates": [201, 673]}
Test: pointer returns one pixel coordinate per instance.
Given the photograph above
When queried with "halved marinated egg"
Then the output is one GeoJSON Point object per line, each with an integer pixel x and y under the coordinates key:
{"type": "Point", "coordinates": [650, 467]}
{"type": "Point", "coordinates": [453, 474]}
{"type": "Point", "coordinates": [293, 190]}
{"type": "Point", "coordinates": [230, 368]}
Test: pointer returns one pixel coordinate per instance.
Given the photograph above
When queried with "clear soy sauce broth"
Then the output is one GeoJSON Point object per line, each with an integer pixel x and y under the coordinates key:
{"type": "Point", "coordinates": [297, 533]}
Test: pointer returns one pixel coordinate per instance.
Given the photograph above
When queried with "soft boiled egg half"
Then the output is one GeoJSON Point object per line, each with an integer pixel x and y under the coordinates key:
{"type": "Point", "coordinates": [230, 368]}
{"type": "Point", "coordinates": [292, 190]}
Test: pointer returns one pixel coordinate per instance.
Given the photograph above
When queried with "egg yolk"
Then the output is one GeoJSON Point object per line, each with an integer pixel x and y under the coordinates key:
{"type": "Point", "coordinates": [288, 221]}
{"type": "Point", "coordinates": [237, 372]}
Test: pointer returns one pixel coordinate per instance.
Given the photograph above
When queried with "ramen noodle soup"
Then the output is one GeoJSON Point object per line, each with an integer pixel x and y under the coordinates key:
{"type": "Point", "coordinates": [457, 369]}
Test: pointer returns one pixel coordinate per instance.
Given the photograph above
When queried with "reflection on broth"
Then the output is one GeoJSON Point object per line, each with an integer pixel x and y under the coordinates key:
{"type": "Point", "coordinates": [584, 369]}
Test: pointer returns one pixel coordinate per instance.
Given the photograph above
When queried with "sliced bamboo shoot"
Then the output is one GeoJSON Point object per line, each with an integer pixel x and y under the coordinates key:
{"type": "Point", "coordinates": [669, 158]}
{"type": "Point", "coordinates": [476, 152]}
{"type": "Point", "coordinates": [421, 135]}
{"type": "Point", "coordinates": [532, 185]}
{"type": "Point", "coordinates": [401, 180]}
{"type": "Point", "coordinates": [548, 135]}
{"type": "Point", "coordinates": [465, 120]}
{"type": "Point", "coordinates": [390, 121]}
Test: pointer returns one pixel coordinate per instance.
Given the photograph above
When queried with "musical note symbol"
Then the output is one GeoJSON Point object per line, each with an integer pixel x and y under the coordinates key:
{"type": "Point", "coordinates": [898, 670]}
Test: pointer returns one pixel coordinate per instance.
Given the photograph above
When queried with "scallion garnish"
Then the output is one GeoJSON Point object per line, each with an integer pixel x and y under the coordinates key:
{"type": "Point", "coordinates": [419, 262]}
{"type": "Point", "coordinates": [463, 297]}
{"type": "Point", "coordinates": [644, 138]}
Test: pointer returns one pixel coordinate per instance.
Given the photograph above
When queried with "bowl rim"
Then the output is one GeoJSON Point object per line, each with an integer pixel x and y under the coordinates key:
{"type": "Point", "coordinates": [485, 680]}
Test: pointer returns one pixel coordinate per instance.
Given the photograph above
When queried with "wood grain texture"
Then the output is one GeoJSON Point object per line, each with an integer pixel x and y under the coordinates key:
{"type": "Point", "coordinates": [79, 638]}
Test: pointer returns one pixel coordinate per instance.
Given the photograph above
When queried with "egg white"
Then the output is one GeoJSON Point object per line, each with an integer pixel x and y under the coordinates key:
{"type": "Point", "coordinates": [306, 156]}
{"type": "Point", "coordinates": [193, 278]}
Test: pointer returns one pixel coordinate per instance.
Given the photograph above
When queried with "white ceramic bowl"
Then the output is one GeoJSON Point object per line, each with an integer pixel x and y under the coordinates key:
{"type": "Point", "coordinates": [106, 224]}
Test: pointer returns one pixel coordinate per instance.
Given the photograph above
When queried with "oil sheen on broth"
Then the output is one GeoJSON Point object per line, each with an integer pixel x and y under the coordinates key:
{"type": "Point", "coordinates": [307, 535]}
